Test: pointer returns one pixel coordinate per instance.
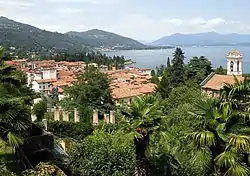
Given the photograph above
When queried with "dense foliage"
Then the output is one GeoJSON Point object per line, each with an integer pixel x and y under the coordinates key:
{"type": "Point", "coordinates": [176, 131]}
{"type": "Point", "coordinates": [89, 57]}
{"type": "Point", "coordinates": [104, 154]}
{"type": "Point", "coordinates": [77, 131]}
{"type": "Point", "coordinates": [44, 169]}
{"type": "Point", "coordinates": [15, 99]}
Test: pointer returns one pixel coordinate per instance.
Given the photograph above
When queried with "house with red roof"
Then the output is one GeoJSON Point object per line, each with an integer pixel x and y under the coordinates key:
{"type": "Point", "coordinates": [215, 82]}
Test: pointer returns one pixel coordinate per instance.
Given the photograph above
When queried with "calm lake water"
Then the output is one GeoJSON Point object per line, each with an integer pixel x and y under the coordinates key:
{"type": "Point", "coordinates": [153, 58]}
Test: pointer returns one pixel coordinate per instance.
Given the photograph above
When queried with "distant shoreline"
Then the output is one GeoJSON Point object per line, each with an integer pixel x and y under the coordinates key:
{"type": "Point", "coordinates": [172, 47]}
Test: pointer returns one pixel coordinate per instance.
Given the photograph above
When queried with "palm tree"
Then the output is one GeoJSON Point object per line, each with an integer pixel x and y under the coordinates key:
{"type": "Point", "coordinates": [14, 99]}
{"type": "Point", "coordinates": [144, 115]}
{"type": "Point", "coordinates": [223, 129]}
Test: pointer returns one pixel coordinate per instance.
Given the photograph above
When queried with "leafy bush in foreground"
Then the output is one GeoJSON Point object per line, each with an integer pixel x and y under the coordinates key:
{"type": "Point", "coordinates": [103, 154]}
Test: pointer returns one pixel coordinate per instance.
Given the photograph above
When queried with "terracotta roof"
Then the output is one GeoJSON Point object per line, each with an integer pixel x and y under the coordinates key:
{"type": "Point", "coordinates": [131, 90]}
{"type": "Point", "coordinates": [50, 61]}
{"type": "Point", "coordinates": [46, 65]}
{"type": "Point", "coordinates": [62, 73]}
{"type": "Point", "coordinates": [11, 62]}
{"type": "Point", "coordinates": [216, 82]}
{"type": "Point", "coordinates": [46, 80]}
{"type": "Point", "coordinates": [61, 83]}
{"type": "Point", "coordinates": [60, 90]}
{"type": "Point", "coordinates": [124, 92]}
{"type": "Point", "coordinates": [121, 75]}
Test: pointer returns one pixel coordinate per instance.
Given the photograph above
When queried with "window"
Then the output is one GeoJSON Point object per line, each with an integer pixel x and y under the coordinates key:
{"type": "Point", "coordinates": [238, 66]}
{"type": "Point", "coordinates": [40, 87]}
{"type": "Point", "coordinates": [232, 66]}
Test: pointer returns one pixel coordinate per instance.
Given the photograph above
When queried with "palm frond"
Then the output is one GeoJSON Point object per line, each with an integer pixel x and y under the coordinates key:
{"type": "Point", "coordinates": [203, 138]}
{"type": "Point", "coordinates": [228, 159]}
{"type": "Point", "coordinates": [14, 140]}
{"type": "Point", "coordinates": [240, 143]}
{"type": "Point", "coordinates": [238, 170]}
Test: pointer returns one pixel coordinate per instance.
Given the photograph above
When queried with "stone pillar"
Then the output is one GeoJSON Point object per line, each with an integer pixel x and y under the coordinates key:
{"type": "Point", "coordinates": [235, 67]}
{"type": "Point", "coordinates": [95, 117]}
{"type": "Point", "coordinates": [228, 67]}
{"type": "Point", "coordinates": [240, 67]}
{"type": "Point", "coordinates": [112, 117]}
{"type": "Point", "coordinates": [65, 116]}
{"type": "Point", "coordinates": [76, 115]}
{"type": "Point", "coordinates": [106, 118]}
{"type": "Point", "coordinates": [56, 114]}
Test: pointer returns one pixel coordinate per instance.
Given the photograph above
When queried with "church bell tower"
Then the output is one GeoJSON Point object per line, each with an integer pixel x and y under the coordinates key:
{"type": "Point", "coordinates": [234, 63]}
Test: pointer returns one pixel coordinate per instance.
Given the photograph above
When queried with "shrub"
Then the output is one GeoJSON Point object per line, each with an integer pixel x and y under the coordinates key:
{"type": "Point", "coordinates": [103, 154]}
{"type": "Point", "coordinates": [44, 169]}
{"type": "Point", "coordinates": [77, 131]}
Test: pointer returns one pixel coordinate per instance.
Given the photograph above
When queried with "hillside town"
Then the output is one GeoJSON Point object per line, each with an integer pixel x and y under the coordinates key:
{"type": "Point", "coordinates": [44, 76]}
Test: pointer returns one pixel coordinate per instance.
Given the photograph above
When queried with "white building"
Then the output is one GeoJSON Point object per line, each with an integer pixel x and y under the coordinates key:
{"type": "Point", "coordinates": [41, 79]}
{"type": "Point", "coordinates": [234, 63]}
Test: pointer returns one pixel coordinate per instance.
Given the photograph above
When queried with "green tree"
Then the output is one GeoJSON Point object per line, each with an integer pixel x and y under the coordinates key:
{"type": "Point", "coordinates": [144, 116]}
{"type": "Point", "coordinates": [153, 73]}
{"type": "Point", "coordinates": [15, 101]}
{"type": "Point", "coordinates": [223, 129]}
{"type": "Point", "coordinates": [160, 70]}
{"type": "Point", "coordinates": [178, 68]}
{"type": "Point", "coordinates": [198, 68]}
{"type": "Point", "coordinates": [39, 109]}
{"type": "Point", "coordinates": [220, 70]}
{"type": "Point", "coordinates": [164, 86]}
{"type": "Point", "coordinates": [103, 154]}
{"type": "Point", "coordinates": [168, 63]}
{"type": "Point", "coordinates": [90, 91]}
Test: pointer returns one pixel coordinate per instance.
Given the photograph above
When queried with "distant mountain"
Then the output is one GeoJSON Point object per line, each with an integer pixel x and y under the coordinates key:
{"type": "Point", "coordinates": [32, 38]}
{"type": "Point", "coordinates": [100, 38]}
{"type": "Point", "coordinates": [29, 37]}
{"type": "Point", "coordinates": [209, 38]}
{"type": "Point", "coordinates": [145, 42]}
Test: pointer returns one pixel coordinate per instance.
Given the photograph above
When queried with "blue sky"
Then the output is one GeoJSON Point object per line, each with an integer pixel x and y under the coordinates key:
{"type": "Point", "coordinates": [139, 19]}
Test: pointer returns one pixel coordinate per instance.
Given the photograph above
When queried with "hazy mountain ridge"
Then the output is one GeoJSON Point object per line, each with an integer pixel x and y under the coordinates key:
{"type": "Point", "coordinates": [29, 37]}
{"type": "Point", "coordinates": [208, 38]}
{"type": "Point", "coordinates": [97, 38]}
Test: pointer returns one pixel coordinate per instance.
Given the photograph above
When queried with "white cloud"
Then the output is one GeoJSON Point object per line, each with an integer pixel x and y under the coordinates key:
{"type": "Point", "coordinates": [142, 27]}
{"type": "Point", "coordinates": [196, 21]}
{"type": "Point", "coordinates": [69, 10]}
{"type": "Point", "coordinates": [173, 21]}
{"type": "Point", "coordinates": [117, 16]}
{"type": "Point", "coordinates": [86, 1]}
{"type": "Point", "coordinates": [17, 3]}
{"type": "Point", "coordinates": [215, 21]}
{"type": "Point", "coordinates": [206, 23]}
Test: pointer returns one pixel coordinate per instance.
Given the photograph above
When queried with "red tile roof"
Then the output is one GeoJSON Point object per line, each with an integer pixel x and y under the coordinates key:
{"type": "Point", "coordinates": [46, 80]}
{"type": "Point", "coordinates": [124, 90]}
{"type": "Point", "coordinates": [216, 82]}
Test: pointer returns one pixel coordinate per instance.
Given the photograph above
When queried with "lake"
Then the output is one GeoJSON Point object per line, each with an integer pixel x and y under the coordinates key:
{"type": "Point", "coordinates": [153, 58]}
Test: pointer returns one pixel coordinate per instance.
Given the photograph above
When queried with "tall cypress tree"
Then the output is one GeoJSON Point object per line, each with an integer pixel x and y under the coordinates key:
{"type": "Point", "coordinates": [178, 68]}
{"type": "Point", "coordinates": [168, 63]}
{"type": "Point", "coordinates": [164, 86]}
